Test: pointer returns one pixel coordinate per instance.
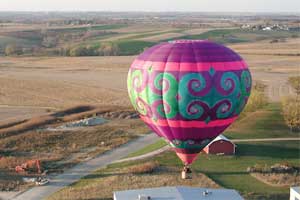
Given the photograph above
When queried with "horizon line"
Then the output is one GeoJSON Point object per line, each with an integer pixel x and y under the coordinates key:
{"type": "Point", "coordinates": [146, 11]}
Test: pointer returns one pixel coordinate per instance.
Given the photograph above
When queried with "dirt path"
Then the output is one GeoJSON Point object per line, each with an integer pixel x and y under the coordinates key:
{"type": "Point", "coordinates": [74, 174]}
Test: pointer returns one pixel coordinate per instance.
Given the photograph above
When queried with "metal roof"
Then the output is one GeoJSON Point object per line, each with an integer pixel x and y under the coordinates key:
{"type": "Point", "coordinates": [296, 189]}
{"type": "Point", "coordinates": [220, 137]}
{"type": "Point", "coordinates": [179, 193]}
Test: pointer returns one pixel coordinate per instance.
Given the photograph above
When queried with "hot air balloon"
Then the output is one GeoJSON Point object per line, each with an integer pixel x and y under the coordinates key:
{"type": "Point", "coordinates": [189, 92]}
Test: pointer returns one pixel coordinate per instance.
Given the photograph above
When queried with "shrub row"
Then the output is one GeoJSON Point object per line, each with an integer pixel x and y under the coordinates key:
{"type": "Point", "coordinates": [294, 81]}
{"type": "Point", "coordinates": [257, 99]}
{"type": "Point", "coordinates": [291, 112]}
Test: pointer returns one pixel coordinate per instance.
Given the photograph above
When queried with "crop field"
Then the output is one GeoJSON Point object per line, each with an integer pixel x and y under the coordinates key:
{"type": "Point", "coordinates": [59, 82]}
{"type": "Point", "coordinates": [48, 85]}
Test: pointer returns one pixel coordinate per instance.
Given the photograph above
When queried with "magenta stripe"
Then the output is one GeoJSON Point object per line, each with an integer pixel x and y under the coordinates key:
{"type": "Point", "coordinates": [187, 124]}
{"type": "Point", "coordinates": [180, 133]}
{"type": "Point", "coordinates": [191, 67]}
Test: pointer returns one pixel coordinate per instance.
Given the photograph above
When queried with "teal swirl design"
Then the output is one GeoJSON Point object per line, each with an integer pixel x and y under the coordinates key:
{"type": "Point", "coordinates": [227, 83]}
{"type": "Point", "coordinates": [246, 83]}
{"type": "Point", "coordinates": [164, 103]}
{"type": "Point", "coordinates": [201, 96]}
{"type": "Point", "coordinates": [196, 84]}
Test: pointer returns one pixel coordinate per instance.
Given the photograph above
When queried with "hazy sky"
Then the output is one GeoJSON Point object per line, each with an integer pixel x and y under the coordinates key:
{"type": "Point", "coordinates": [152, 5]}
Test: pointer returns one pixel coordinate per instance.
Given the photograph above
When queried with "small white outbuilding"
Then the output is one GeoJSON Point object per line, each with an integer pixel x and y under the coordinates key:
{"type": "Point", "coordinates": [178, 193]}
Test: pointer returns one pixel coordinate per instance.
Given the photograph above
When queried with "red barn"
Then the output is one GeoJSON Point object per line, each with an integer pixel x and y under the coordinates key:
{"type": "Point", "coordinates": [220, 145]}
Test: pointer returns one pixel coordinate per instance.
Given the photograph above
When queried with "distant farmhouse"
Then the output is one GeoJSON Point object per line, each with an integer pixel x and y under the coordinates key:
{"type": "Point", "coordinates": [220, 145]}
{"type": "Point", "coordinates": [273, 27]}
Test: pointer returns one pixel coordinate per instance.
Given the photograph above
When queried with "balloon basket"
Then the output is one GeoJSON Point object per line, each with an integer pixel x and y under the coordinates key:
{"type": "Point", "coordinates": [186, 173]}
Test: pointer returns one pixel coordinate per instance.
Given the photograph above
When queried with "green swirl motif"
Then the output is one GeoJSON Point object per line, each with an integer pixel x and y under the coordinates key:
{"type": "Point", "coordinates": [201, 96]}
{"type": "Point", "coordinates": [245, 89]}
{"type": "Point", "coordinates": [164, 102]}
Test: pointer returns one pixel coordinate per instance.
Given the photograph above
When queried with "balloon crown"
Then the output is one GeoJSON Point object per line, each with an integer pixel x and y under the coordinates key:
{"type": "Point", "coordinates": [187, 41]}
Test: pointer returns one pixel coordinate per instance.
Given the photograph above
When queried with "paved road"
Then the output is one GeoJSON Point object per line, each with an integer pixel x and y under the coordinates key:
{"type": "Point", "coordinates": [83, 169]}
{"type": "Point", "coordinates": [147, 155]}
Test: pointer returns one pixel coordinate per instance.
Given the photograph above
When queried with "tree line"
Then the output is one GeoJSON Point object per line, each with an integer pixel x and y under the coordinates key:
{"type": "Point", "coordinates": [103, 49]}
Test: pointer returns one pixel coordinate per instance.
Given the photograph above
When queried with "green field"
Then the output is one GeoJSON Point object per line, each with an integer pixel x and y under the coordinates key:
{"type": "Point", "coordinates": [132, 47]}
{"type": "Point", "coordinates": [265, 123]}
{"type": "Point", "coordinates": [229, 36]}
{"type": "Point", "coordinates": [92, 28]}
{"type": "Point", "coordinates": [6, 40]}
{"type": "Point", "coordinates": [131, 42]}
{"type": "Point", "coordinates": [227, 171]}
{"type": "Point", "coordinates": [134, 44]}
{"type": "Point", "coordinates": [230, 171]}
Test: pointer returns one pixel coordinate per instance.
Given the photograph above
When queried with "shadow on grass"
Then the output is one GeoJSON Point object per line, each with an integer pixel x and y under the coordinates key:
{"type": "Point", "coordinates": [268, 150]}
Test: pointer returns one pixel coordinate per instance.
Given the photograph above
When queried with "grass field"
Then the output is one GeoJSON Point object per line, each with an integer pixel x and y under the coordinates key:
{"type": "Point", "coordinates": [131, 38]}
{"type": "Point", "coordinates": [238, 35]}
{"type": "Point", "coordinates": [265, 123]}
{"type": "Point", "coordinates": [101, 184]}
{"type": "Point", "coordinates": [6, 40]}
{"type": "Point", "coordinates": [135, 43]}
{"type": "Point", "coordinates": [93, 27]}
{"type": "Point", "coordinates": [226, 171]}
{"type": "Point", "coordinates": [132, 47]}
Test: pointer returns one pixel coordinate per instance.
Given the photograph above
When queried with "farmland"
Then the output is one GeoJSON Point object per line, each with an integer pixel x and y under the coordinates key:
{"type": "Point", "coordinates": [224, 171]}
{"type": "Point", "coordinates": [46, 86]}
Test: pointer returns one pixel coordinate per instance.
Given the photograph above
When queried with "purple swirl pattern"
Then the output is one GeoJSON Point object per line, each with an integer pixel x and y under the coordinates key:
{"type": "Point", "coordinates": [222, 109]}
{"type": "Point", "coordinates": [196, 109]}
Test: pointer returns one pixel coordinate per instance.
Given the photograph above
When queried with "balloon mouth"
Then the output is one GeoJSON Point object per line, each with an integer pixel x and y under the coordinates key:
{"type": "Point", "coordinates": [187, 159]}
{"type": "Point", "coordinates": [187, 41]}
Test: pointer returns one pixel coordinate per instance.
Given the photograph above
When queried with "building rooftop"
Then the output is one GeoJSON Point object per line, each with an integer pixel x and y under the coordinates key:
{"type": "Point", "coordinates": [220, 137]}
{"type": "Point", "coordinates": [178, 193]}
